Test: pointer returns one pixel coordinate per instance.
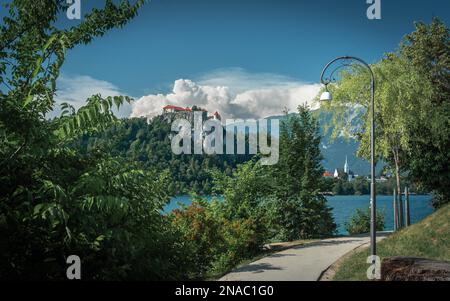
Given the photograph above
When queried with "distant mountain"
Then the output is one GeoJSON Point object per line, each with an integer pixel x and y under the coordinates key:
{"type": "Point", "coordinates": [335, 151]}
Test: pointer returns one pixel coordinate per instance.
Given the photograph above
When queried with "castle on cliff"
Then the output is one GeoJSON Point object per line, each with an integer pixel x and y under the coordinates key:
{"type": "Point", "coordinates": [171, 112]}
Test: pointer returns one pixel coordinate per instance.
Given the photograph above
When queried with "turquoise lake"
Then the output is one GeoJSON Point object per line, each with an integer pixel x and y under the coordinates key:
{"type": "Point", "coordinates": [345, 206]}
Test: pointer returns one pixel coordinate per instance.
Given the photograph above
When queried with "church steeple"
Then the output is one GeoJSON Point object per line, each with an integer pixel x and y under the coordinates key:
{"type": "Point", "coordinates": [346, 169]}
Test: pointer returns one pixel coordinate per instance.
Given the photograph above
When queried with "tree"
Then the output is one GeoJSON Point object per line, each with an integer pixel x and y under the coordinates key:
{"type": "Point", "coordinates": [149, 143]}
{"type": "Point", "coordinates": [412, 108]}
{"type": "Point", "coordinates": [428, 50]}
{"type": "Point", "coordinates": [400, 91]}
{"type": "Point", "coordinates": [282, 200]}
{"type": "Point", "coordinates": [299, 167]}
{"type": "Point", "coordinates": [297, 179]}
{"type": "Point", "coordinates": [361, 186]}
{"type": "Point", "coordinates": [55, 199]}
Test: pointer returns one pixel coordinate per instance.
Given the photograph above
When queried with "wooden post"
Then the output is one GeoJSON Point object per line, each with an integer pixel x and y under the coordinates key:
{"type": "Point", "coordinates": [401, 209]}
{"type": "Point", "coordinates": [407, 213]}
{"type": "Point", "coordinates": [395, 212]}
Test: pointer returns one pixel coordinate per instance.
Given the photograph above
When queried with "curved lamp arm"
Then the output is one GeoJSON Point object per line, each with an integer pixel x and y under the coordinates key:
{"type": "Point", "coordinates": [327, 81]}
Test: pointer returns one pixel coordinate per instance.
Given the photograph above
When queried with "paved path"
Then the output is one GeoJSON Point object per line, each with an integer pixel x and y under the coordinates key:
{"type": "Point", "coordinates": [302, 263]}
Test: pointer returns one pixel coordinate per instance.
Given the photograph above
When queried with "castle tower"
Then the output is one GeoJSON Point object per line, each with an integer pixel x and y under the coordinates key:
{"type": "Point", "coordinates": [216, 116]}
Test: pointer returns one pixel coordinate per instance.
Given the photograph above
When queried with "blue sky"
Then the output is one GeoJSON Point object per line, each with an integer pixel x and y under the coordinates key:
{"type": "Point", "coordinates": [242, 45]}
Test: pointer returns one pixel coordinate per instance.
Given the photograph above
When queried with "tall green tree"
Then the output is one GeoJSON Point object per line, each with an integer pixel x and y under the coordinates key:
{"type": "Point", "coordinates": [412, 108]}
{"type": "Point", "coordinates": [284, 199]}
{"type": "Point", "coordinates": [428, 50]}
{"type": "Point", "coordinates": [399, 99]}
{"type": "Point", "coordinates": [298, 203]}
{"type": "Point", "coordinates": [299, 166]}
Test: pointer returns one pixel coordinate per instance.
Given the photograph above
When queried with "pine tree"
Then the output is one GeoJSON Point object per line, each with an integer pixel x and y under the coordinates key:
{"type": "Point", "coordinates": [303, 211]}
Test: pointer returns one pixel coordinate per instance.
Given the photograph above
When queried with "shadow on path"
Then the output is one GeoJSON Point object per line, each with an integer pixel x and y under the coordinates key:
{"type": "Point", "coordinates": [332, 242]}
{"type": "Point", "coordinates": [256, 268]}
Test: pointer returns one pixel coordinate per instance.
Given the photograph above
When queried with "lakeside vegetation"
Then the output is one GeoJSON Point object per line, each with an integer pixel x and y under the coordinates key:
{"type": "Point", "coordinates": [260, 204]}
{"type": "Point", "coordinates": [359, 223]}
{"type": "Point", "coordinates": [361, 186]}
{"type": "Point", "coordinates": [71, 187]}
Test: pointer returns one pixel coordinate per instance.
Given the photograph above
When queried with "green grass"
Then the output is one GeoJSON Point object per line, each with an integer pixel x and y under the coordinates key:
{"type": "Point", "coordinates": [429, 238]}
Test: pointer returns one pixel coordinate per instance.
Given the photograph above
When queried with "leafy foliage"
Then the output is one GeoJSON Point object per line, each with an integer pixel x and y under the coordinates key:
{"type": "Point", "coordinates": [286, 195]}
{"type": "Point", "coordinates": [260, 204]}
{"type": "Point", "coordinates": [56, 200]}
{"type": "Point", "coordinates": [428, 50]}
{"type": "Point", "coordinates": [360, 222]}
{"type": "Point", "coordinates": [86, 183]}
{"type": "Point", "coordinates": [297, 181]}
{"type": "Point", "coordinates": [412, 107]}
{"type": "Point", "coordinates": [215, 244]}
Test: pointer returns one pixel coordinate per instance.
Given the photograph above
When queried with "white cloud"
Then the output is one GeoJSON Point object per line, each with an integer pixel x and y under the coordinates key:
{"type": "Point", "coordinates": [77, 88]}
{"type": "Point", "coordinates": [234, 92]}
{"type": "Point", "coordinates": [239, 80]}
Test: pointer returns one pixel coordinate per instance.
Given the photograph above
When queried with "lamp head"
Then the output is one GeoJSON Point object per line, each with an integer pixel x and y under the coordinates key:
{"type": "Point", "coordinates": [326, 96]}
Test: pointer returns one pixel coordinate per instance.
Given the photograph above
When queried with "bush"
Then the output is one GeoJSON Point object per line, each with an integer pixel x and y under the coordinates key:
{"type": "Point", "coordinates": [214, 244]}
{"type": "Point", "coordinates": [298, 218]}
{"type": "Point", "coordinates": [360, 222]}
{"type": "Point", "coordinates": [201, 233]}
{"type": "Point", "coordinates": [242, 240]}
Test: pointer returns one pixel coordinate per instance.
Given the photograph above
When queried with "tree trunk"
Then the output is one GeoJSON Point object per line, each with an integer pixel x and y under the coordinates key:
{"type": "Point", "coordinates": [407, 213]}
{"type": "Point", "coordinates": [395, 212]}
{"type": "Point", "coordinates": [401, 221]}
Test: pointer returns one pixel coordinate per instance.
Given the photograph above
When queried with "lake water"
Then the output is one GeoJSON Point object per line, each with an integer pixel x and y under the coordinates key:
{"type": "Point", "coordinates": [345, 206]}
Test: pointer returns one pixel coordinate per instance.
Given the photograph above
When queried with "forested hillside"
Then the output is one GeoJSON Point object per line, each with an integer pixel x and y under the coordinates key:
{"type": "Point", "coordinates": [149, 144]}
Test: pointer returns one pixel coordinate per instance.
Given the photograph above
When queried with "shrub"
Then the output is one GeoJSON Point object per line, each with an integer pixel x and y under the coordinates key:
{"type": "Point", "coordinates": [202, 236]}
{"type": "Point", "coordinates": [360, 222]}
{"type": "Point", "coordinates": [214, 244]}
{"type": "Point", "coordinates": [298, 218]}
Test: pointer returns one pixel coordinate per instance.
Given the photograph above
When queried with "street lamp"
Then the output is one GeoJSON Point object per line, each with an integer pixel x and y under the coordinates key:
{"type": "Point", "coordinates": [326, 96]}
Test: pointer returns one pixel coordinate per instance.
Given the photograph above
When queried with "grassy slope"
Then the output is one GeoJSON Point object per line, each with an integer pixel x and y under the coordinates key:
{"type": "Point", "coordinates": [429, 238]}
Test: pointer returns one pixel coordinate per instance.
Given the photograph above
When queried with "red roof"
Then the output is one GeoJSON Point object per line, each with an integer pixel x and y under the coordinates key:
{"type": "Point", "coordinates": [170, 107]}
{"type": "Point", "coordinates": [327, 174]}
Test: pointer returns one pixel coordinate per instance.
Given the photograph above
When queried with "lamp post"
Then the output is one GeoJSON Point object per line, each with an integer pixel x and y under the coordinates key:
{"type": "Point", "coordinates": [326, 96]}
